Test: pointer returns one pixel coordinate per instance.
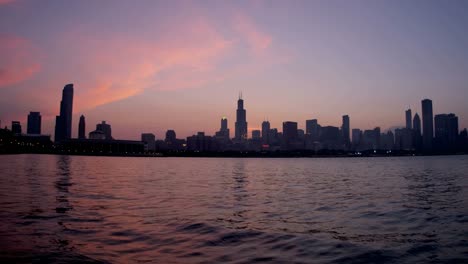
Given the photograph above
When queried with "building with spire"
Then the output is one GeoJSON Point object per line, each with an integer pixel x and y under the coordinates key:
{"type": "Point", "coordinates": [241, 120]}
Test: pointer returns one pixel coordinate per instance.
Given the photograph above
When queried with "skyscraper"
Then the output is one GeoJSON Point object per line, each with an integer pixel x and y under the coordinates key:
{"type": "Point", "coordinates": [290, 135]}
{"type": "Point", "coordinates": [241, 120]}
{"type": "Point", "coordinates": [265, 132]}
{"type": "Point", "coordinates": [313, 129]}
{"type": "Point", "coordinates": [428, 124]}
{"type": "Point", "coordinates": [82, 128]}
{"type": "Point", "coordinates": [417, 124]}
{"type": "Point", "coordinates": [223, 133]}
{"type": "Point", "coordinates": [345, 129]}
{"type": "Point", "coordinates": [408, 119]}
{"type": "Point", "coordinates": [63, 122]}
{"type": "Point", "coordinates": [16, 127]}
{"type": "Point", "coordinates": [34, 123]}
{"type": "Point", "coordinates": [446, 131]}
{"type": "Point", "coordinates": [256, 134]}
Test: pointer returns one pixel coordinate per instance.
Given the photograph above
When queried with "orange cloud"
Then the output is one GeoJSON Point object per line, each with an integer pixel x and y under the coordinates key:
{"type": "Point", "coordinates": [19, 60]}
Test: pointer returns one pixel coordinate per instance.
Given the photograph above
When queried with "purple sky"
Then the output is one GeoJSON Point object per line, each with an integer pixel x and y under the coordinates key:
{"type": "Point", "coordinates": [149, 66]}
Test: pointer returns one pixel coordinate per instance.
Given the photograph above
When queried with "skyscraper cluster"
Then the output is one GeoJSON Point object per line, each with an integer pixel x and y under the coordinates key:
{"type": "Point", "coordinates": [439, 133]}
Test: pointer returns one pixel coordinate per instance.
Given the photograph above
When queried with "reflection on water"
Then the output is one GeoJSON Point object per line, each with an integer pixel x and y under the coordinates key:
{"type": "Point", "coordinates": [62, 209]}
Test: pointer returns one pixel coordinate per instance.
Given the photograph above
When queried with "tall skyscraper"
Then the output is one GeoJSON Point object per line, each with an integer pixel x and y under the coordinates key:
{"type": "Point", "coordinates": [63, 122]}
{"type": "Point", "coordinates": [265, 132]}
{"type": "Point", "coordinates": [241, 120]}
{"type": "Point", "coordinates": [345, 130]}
{"type": "Point", "coordinates": [408, 119]}
{"type": "Point", "coordinates": [428, 124]}
{"type": "Point", "coordinates": [417, 124]}
{"type": "Point", "coordinates": [34, 123]}
{"type": "Point", "coordinates": [82, 128]}
{"type": "Point", "coordinates": [16, 127]}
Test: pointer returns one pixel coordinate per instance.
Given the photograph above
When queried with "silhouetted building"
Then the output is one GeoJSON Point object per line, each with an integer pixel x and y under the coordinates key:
{"type": "Point", "coordinates": [82, 128]}
{"type": "Point", "coordinates": [265, 132]}
{"type": "Point", "coordinates": [63, 122]}
{"type": "Point", "coordinates": [356, 136]}
{"type": "Point", "coordinates": [106, 129]}
{"type": "Point", "coordinates": [345, 131]}
{"type": "Point", "coordinates": [417, 138]}
{"type": "Point", "coordinates": [428, 124]}
{"type": "Point", "coordinates": [256, 134]}
{"type": "Point", "coordinates": [289, 135]}
{"type": "Point", "coordinates": [201, 143]}
{"type": "Point", "coordinates": [241, 121]}
{"type": "Point", "coordinates": [403, 139]}
{"type": "Point", "coordinates": [171, 142]}
{"type": "Point", "coordinates": [149, 141]}
{"type": "Point", "coordinates": [16, 127]}
{"type": "Point", "coordinates": [34, 123]}
{"type": "Point", "coordinates": [223, 134]}
{"type": "Point", "coordinates": [330, 138]}
{"type": "Point", "coordinates": [446, 131]}
{"type": "Point", "coordinates": [408, 119]}
{"type": "Point", "coordinates": [102, 147]}
{"type": "Point", "coordinates": [273, 137]}
{"type": "Point", "coordinates": [97, 135]}
{"type": "Point", "coordinates": [387, 140]}
{"type": "Point", "coordinates": [313, 129]}
{"type": "Point", "coordinates": [370, 139]}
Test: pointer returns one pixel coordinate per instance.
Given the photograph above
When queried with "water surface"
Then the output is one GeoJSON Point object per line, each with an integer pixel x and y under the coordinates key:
{"type": "Point", "coordinates": [63, 209]}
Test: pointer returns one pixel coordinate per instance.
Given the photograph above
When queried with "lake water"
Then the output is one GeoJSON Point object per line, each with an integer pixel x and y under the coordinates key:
{"type": "Point", "coordinates": [65, 209]}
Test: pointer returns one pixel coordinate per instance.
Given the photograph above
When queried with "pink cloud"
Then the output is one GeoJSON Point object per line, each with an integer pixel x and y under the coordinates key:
{"type": "Point", "coordinates": [258, 41]}
{"type": "Point", "coordinates": [19, 60]}
{"type": "Point", "coordinates": [4, 2]}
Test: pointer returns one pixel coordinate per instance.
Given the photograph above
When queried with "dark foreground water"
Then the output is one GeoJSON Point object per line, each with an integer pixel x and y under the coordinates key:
{"type": "Point", "coordinates": [72, 209]}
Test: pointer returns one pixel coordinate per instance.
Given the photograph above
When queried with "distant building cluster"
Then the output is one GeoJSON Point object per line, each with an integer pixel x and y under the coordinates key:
{"type": "Point", "coordinates": [429, 134]}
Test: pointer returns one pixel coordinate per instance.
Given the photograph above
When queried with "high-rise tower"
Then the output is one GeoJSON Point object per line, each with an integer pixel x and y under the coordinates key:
{"type": "Point", "coordinates": [428, 124]}
{"type": "Point", "coordinates": [408, 119]}
{"type": "Point", "coordinates": [82, 128]}
{"type": "Point", "coordinates": [63, 122]}
{"type": "Point", "coordinates": [345, 130]}
{"type": "Point", "coordinates": [241, 120]}
{"type": "Point", "coordinates": [34, 123]}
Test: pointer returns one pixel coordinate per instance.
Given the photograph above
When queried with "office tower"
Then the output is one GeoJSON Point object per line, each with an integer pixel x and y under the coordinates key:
{"type": "Point", "coordinates": [446, 131]}
{"type": "Point", "coordinates": [345, 130]}
{"type": "Point", "coordinates": [63, 122]}
{"type": "Point", "coordinates": [356, 136]}
{"type": "Point", "coordinates": [170, 136]}
{"type": "Point", "coordinates": [417, 139]}
{"type": "Point", "coordinates": [16, 127]}
{"type": "Point", "coordinates": [313, 129]}
{"type": "Point", "coordinates": [34, 123]}
{"type": "Point", "coordinates": [149, 141]}
{"type": "Point", "coordinates": [417, 124]}
{"type": "Point", "coordinates": [428, 124]}
{"type": "Point", "coordinates": [408, 119]}
{"type": "Point", "coordinates": [82, 128]}
{"type": "Point", "coordinates": [265, 132]}
{"type": "Point", "coordinates": [256, 134]}
{"type": "Point", "coordinates": [106, 129]}
{"type": "Point", "coordinates": [241, 121]}
{"type": "Point", "coordinates": [224, 130]}
{"type": "Point", "coordinates": [290, 135]}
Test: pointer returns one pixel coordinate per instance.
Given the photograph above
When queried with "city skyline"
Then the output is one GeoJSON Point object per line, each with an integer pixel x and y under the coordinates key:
{"type": "Point", "coordinates": [134, 76]}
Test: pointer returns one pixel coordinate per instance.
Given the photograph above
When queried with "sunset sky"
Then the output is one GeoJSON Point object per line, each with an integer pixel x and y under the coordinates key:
{"type": "Point", "coordinates": [149, 66]}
